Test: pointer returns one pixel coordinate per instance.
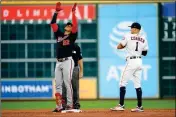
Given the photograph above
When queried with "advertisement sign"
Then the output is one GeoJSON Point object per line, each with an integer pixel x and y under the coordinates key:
{"type": "Point", "coordinates": [45, 12]}
{"type": "Point", "coordinates": [26, 89]}
{"type": "Point", "coordinates": [87, 88]}
{"type": "Point", "coordinates": [112, 27]}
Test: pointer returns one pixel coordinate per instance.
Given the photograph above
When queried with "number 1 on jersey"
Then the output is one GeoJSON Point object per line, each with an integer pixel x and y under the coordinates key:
{"type": "Point", "coordinates": [136, 46]}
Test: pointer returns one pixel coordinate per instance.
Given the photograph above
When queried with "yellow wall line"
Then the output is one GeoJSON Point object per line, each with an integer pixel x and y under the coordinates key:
{"type": "Point", "coordinates": [79, 2]}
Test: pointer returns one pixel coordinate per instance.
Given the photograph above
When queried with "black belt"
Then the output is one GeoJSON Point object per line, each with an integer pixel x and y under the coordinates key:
{"type": "Point", "coordinates": [135, 57]}
{"type": "Point", "coordinates": [62, 59]}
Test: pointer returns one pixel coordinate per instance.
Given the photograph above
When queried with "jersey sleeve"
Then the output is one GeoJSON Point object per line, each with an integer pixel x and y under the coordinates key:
{"type": "Point", "coordinates": [79, 53]}
{"type": "Point", "coordinates": [75, 23]}
{"type": "Point", "coordinates": [54, 26]}
{"type": "Point", "coordinates": [124, 41]}
{"type": "Point", "coordinates": [146, 46]}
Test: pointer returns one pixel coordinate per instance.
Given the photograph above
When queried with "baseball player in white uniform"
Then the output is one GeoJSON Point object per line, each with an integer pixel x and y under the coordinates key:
{"type": "Point", "coordinates": [136, 45]}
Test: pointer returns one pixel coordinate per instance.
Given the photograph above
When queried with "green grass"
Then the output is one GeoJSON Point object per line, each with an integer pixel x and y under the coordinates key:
{"type": "Point", "coordinates": [106, 104]}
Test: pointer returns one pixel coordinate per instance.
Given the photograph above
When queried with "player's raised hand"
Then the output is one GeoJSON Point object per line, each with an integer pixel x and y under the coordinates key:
{"type": "Point", "coordinates": [74, 7]}
{"type": "Point", "coordinates": [58, 7]}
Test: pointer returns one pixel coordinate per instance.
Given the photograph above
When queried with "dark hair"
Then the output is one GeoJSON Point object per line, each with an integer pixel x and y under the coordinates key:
{"type": "Point", "coordinates": [69, 23]}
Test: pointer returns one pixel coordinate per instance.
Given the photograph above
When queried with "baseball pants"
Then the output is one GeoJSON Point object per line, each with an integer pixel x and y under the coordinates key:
{"type": "Point", "coordinates": [63, 75]}
{"type": "Point", "coordinates": [132, 71]}
{"type": "Point", "coordinates": [75, 86]}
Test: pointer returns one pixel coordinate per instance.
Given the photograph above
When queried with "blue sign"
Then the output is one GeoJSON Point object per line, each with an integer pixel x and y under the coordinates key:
{"type": "Point", "coordinates": [113, 24]}
{"type": "Point", "coordinates": [20, 89]}
{"type": "Point", "coordinates": [169, 9]}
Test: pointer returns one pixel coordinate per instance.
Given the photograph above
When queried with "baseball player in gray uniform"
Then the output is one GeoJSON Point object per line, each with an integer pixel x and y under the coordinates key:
{"type": "Point", "coordinates": [136, 45]}
{"type": "Point", "coordinates": [64, 66]}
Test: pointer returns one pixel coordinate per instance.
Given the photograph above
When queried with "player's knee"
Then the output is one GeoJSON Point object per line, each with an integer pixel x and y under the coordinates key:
{"type": "Point", "coordinates": [137, 86]}
{"type": "Point", "coordinates": [123, 84]}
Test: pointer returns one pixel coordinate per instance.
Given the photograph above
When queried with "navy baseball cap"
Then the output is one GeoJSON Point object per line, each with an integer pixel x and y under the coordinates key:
{"type": "Point", "coordinates": [135, 25]}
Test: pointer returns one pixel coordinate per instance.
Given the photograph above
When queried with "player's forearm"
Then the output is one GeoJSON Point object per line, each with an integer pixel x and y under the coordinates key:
{"type": "Point", "coordinates": [74, 22]}
{"type": "Point", "coordinates": [54, 18]}
{"type": "Point", "coordinates": [80, 63]}
{"type": "Point", "coordinates": [53, 24]}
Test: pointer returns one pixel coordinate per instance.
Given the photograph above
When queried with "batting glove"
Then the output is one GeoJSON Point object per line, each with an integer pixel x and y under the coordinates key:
{"type": "Point", "coordinates": [58, 7]}
{"type": "Point", "coordinates": [74, 7]}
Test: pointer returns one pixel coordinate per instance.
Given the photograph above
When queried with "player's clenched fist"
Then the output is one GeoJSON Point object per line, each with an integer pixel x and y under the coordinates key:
{"type": "Point", "coordinates": [58, 6]}
{"type": "Point", "coordinates": [74, 7]}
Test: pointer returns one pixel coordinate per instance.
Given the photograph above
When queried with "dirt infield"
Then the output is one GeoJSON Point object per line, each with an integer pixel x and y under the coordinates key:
{"type": "Point", "coordinates": [88, 113]}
